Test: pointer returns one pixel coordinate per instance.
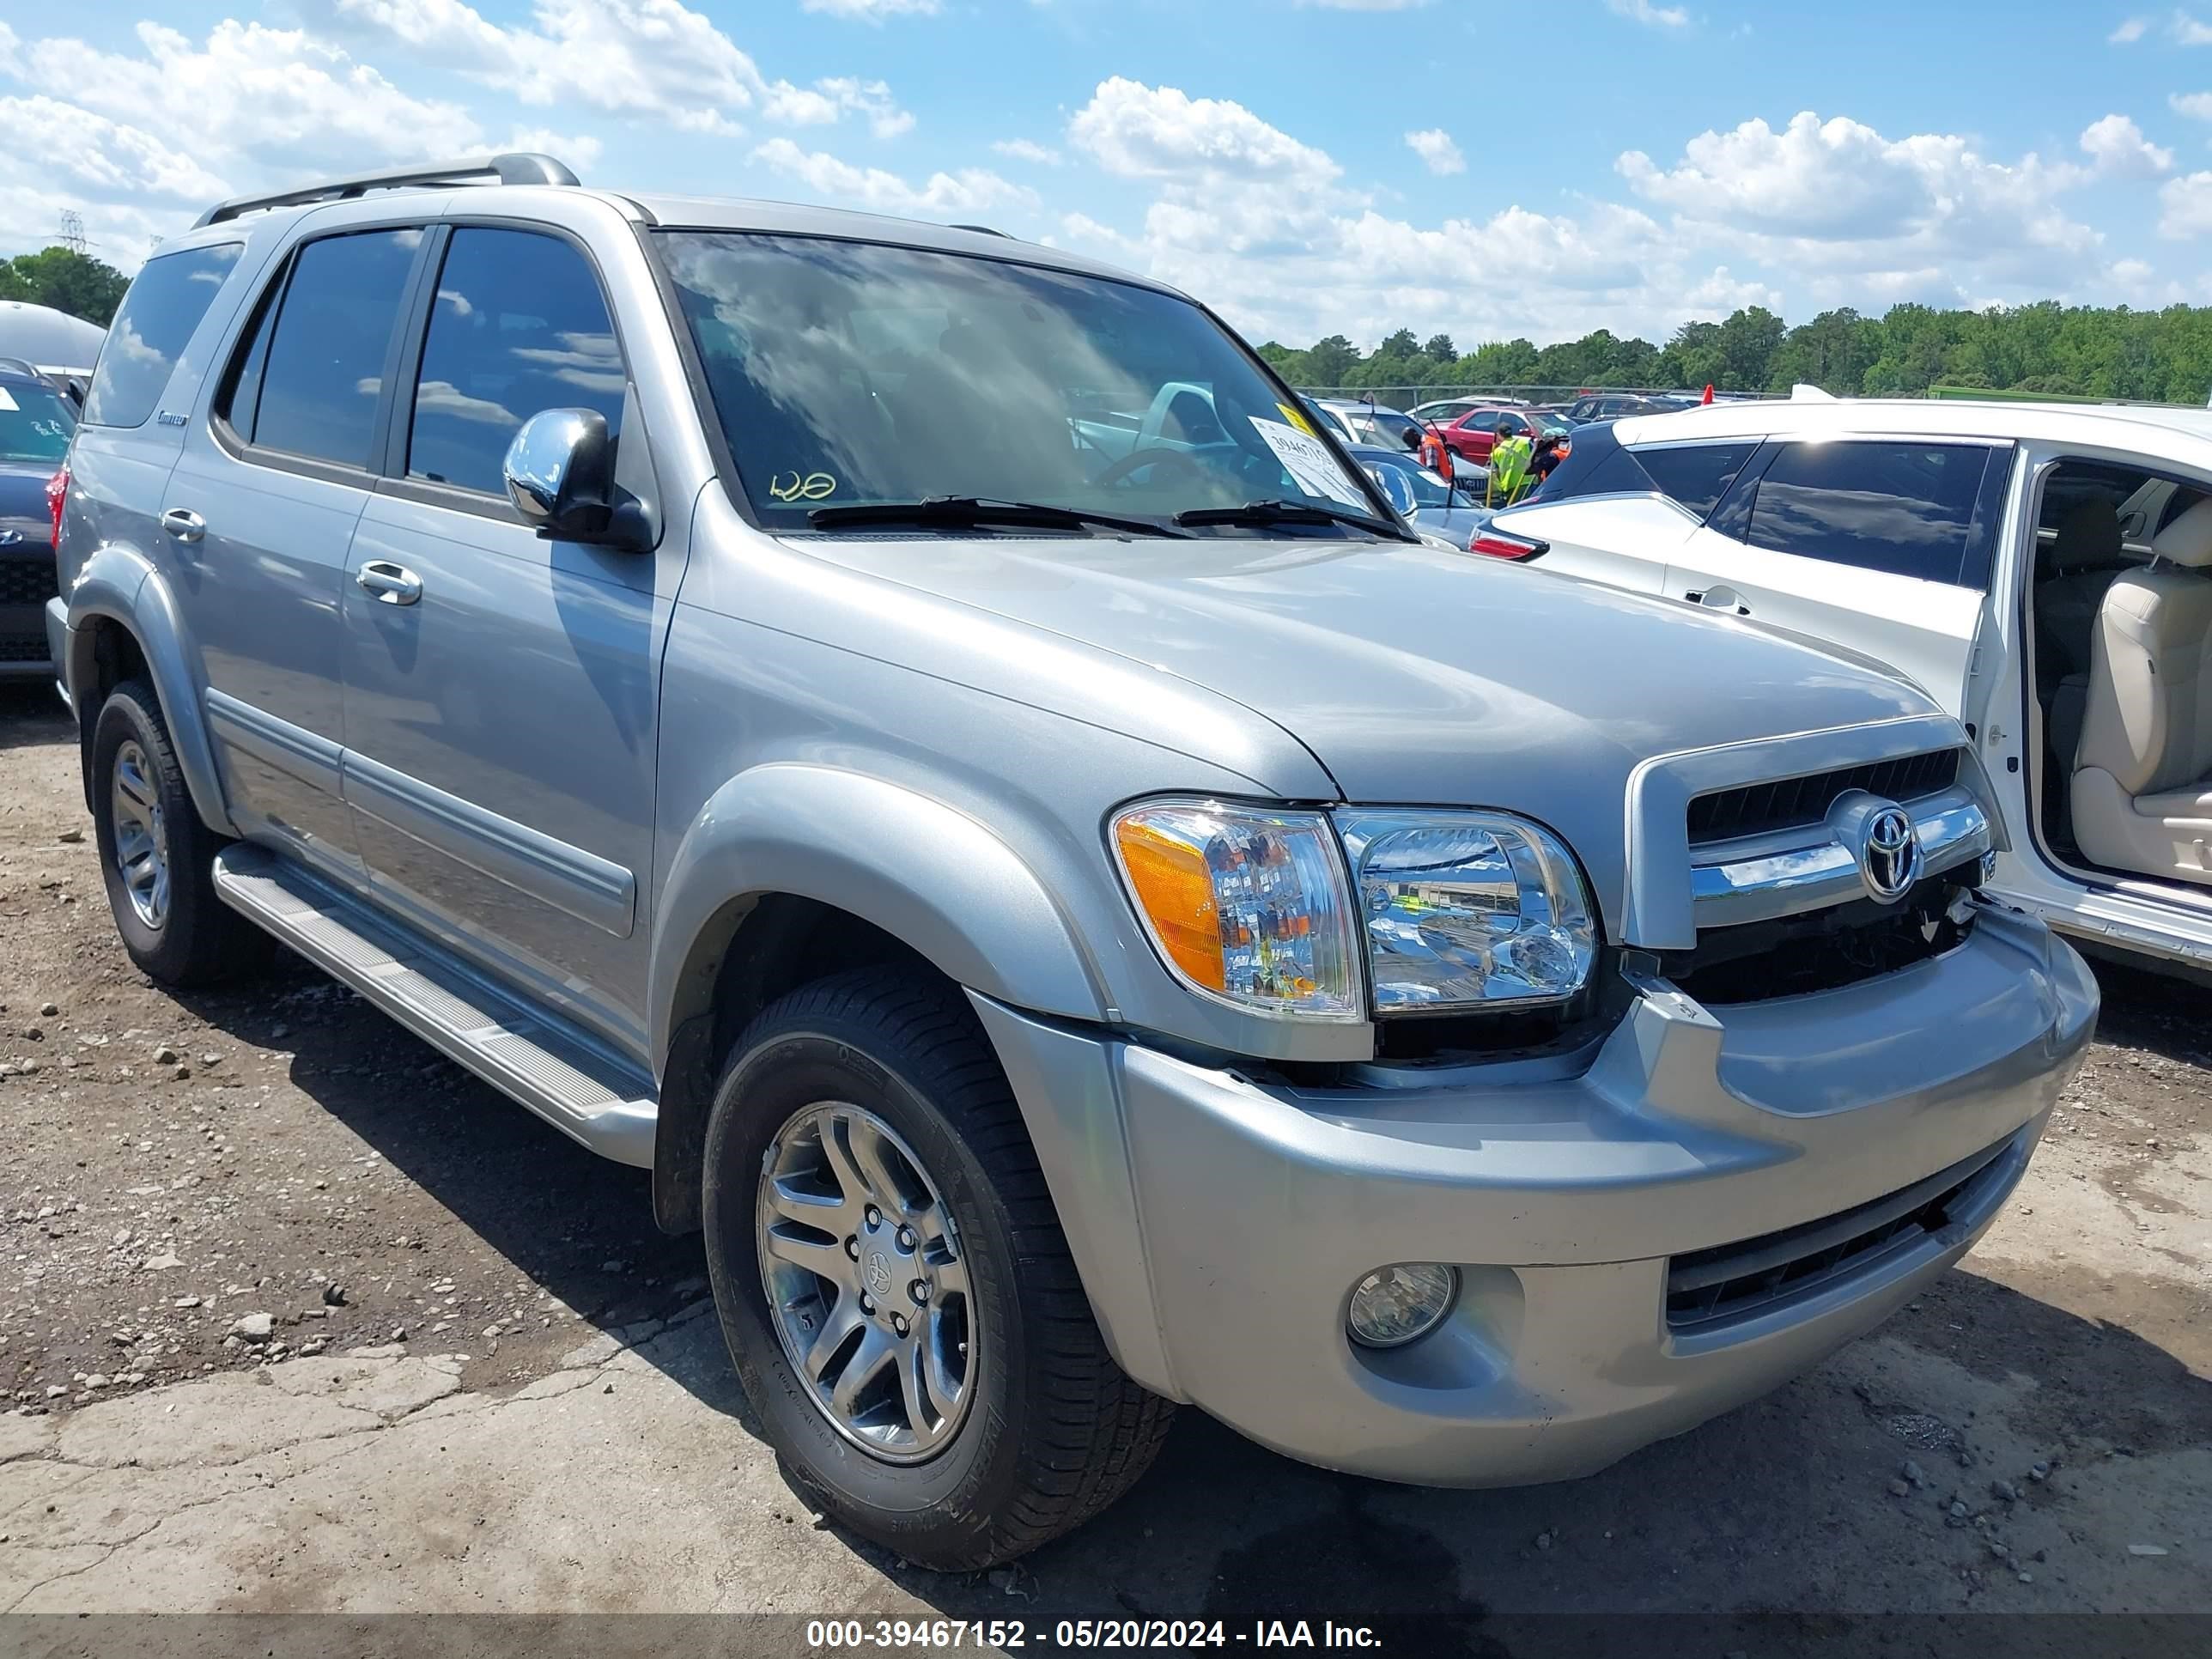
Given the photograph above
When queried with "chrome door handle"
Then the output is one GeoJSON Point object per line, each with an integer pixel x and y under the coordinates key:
{"type": "Point", "coordinates": [184, 524]}
{"type": "Point", "coordinates": [392, 584]}
{"type": "Point", "coordinates": [1718, 599]}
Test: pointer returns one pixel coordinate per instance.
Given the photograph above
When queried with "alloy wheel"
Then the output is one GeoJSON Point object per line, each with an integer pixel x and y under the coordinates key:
{"type": "Point", "coordinates": [866, 1282]}
{"type": "Point", "coordinates": [142, 841]}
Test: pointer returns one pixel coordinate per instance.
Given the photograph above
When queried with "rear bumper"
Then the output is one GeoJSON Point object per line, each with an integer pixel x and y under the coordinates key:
{"type": "Point", "coordinates": [1220, 1224]}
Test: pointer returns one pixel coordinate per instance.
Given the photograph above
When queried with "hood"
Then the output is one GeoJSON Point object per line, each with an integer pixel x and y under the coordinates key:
{"type": "Point", "coordinates": [23, 498]}
{"type": "Point", "coordinates": [1416, 676]}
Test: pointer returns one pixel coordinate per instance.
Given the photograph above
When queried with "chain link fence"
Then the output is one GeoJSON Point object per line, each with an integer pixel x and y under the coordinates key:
{"type": "Point", "coordinates": [1409, 396]}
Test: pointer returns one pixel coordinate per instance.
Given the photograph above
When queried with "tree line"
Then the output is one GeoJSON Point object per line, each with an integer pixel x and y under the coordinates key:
{"type": "Point", "coordinates": [64, 280]}
{"type": "Point", "coordinates": [2099, 351]}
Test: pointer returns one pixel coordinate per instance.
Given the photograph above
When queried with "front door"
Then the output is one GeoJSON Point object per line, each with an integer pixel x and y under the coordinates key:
{"type": "Point", "coordinates": [500, 689]}
{"type": "Point", "coordinates": [1881, 546]}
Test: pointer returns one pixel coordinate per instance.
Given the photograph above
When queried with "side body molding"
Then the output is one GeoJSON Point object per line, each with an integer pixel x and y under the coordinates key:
{"type": "Point", "coordinates": [120, 584]}
{"type": "Point", "coordinates": [937, 880]}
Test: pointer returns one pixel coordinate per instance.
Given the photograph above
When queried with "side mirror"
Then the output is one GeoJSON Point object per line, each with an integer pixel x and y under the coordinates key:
{"type": "Point", "coordinates": [1397, 489]}
{"type": "Point", "coordinates": [73, 389]}
{"type": "Point", "coordinates": [560, 473]}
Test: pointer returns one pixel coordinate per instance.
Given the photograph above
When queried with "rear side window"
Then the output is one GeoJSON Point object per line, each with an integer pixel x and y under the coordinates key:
{"type": "Point", "coordinates": [156, 320]}
{"type": "Point", "coordinates": [1903, 508]}
{"type": "Point", "coordinates": [1696, 475]}
{"type": "Point", "coordinates": [519, 326]}
{"type": "Point", "coordinates": [323, 372]}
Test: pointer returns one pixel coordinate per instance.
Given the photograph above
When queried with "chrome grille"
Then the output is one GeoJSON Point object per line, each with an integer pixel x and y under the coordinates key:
{"type": "Point", "coordinates": [1761, 809]}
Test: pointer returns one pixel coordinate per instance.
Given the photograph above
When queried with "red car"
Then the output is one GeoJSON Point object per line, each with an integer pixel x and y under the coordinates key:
{"type": "Point", "coordinates": [1473, 434]}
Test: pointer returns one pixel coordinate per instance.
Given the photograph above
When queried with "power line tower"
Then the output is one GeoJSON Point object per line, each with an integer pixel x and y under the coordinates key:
{"type": "Point", "coordinates": [73, 236]}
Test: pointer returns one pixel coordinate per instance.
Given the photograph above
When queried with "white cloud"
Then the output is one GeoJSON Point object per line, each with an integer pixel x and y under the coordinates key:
{"type": "Point", "coordinates": [1927, 216]}
{"type": "Point", "coordinates": [1027, 149]}
{"type": "Point", "coordinates": [1262, 225]}
{"type": "Point", "coordinates": [277, 96]}
{"type": "Point", "coordinates": [1358, 5]}
{"type": "Point", "coordinates": [2186, 207]}
{"type": "Point", "coordinates": [1642, 11]}
{"type": "Point", "coordinates": [1436, 151]}
{"type": "Point", "coordinates": [872, 11]}
{"type": "Point", "coordinates": [970, 190]}
{"type": "Point", "coordinates": [109, 155]}
{"type": "Point", "coordinates": [2117, 146]}
{"type": "Point", "coordinates": [2188, 32]}
{"type": "Point", "coordinates": [2129, 32]}
{"type": "Point", "coordinates": [632, 57]}
{"type": "Point", "coordinates": [2197, 105]}
{"type": "Point", "coordinates": [828, 100]}
{"type": "Point", "coordinates": [1137, 131]}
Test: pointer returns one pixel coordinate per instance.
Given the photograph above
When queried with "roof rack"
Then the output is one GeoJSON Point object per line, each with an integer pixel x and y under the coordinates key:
{"type": "Point", "coordinates": [981, 230]}
{"type": "Point", "coordinates": [520, 168]}
{"type": "Point", "coordinates": [23, 366]}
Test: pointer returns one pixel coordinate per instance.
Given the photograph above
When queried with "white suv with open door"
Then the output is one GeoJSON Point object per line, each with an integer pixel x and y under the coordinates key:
{"type": "Point", "coordinates": [2044, 571]}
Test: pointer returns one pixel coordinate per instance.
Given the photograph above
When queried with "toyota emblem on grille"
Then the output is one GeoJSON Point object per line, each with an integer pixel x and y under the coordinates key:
{"type": "Point", "coordinates": [1888, 852]}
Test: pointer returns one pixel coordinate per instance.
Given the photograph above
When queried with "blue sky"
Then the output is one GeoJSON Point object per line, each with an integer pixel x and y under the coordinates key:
{"type": "Point", "coordinates": [1309, 166]}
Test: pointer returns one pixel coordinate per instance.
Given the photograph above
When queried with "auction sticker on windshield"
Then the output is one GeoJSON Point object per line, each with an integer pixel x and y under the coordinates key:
{"type": "Point", "coordinates": [1308, 460]}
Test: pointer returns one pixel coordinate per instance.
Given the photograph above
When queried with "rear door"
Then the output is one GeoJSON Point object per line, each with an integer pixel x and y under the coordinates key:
{"type": "Point", "coordinates": [267, 492]}
{"type": "Point", "coordinates": [1882, 544]}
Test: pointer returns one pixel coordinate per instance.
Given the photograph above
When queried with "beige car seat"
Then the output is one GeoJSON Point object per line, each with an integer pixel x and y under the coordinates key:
{"type": "Point", "coordinates": [2142, 800]}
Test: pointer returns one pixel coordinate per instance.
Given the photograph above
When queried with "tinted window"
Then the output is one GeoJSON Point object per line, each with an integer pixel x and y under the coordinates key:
{"type": "Point", "coordinates": [1696, 475]}
{"type": "Point", "coordinates": [1903, 508]}
{"type": "Point", "coordinates": [157, 317]}
{"type": "Point", "coordinates": [325, 365]}
{"type": "Point", "coordinates": [519, 327]}
{"type": "Point", "coordinates": [35, 424]}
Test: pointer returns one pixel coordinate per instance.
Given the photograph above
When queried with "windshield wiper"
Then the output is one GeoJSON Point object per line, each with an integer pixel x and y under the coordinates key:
{"type": "Point", "coordinates": [1268, 513]}
{"type": "Point", "coordinates": [966, 510]}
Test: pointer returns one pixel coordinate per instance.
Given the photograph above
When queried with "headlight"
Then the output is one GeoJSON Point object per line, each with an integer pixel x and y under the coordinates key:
{"type": "Point", "coordinates": [1465, 909]}
{"type": "Point", "coordinates": [1248, 906]}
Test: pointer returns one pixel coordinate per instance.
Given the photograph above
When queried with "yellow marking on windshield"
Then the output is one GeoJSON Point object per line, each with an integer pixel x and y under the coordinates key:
{"type": "Point", "coordinates": [807, 487]}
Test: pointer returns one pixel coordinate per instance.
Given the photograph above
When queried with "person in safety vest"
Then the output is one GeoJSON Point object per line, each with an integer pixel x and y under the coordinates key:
{"type": "Point", "coordinates": [1436, 454]}
{"type": "Point", "coordinates": [1511, 459]}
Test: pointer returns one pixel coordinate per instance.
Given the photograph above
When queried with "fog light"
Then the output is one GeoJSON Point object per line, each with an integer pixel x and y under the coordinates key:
{"type": "Point", "coordinates": [1393, 1305]}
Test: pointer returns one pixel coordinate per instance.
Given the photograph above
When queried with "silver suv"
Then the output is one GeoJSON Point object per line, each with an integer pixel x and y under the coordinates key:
{"type": "Point", "coordinates": [913, 737]}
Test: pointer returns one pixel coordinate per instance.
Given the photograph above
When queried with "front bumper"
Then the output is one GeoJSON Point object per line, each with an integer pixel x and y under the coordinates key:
{"type": "Point", "coordinates": [1220, 1222]}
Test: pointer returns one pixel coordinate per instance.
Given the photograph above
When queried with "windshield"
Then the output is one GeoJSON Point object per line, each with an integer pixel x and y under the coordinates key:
{"type": "Point", "coordinates": [35, 422]}
{"type": "Point", "coordinates": [847, 373]}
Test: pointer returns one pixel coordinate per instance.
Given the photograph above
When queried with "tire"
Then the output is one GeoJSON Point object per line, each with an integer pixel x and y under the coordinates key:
{"type": "Point", "coordinates": [1051, 1430]}
{"type": "Point", "coordinates": [192, 937]}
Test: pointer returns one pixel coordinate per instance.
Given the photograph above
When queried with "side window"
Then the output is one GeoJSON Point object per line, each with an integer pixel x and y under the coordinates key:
{"type": "Point", "coordinates": [1696, 475]}
{"type": "Point", "coordinates": [325, 368]}
{"type": "Point", "coordinates": [519, 326]}
{"type": "Point", "coordinates": [157, 317]}
{"type": "Point", "coordinates": [241, 394]}
{"type": "Point", "coordinates": [1905, 508]}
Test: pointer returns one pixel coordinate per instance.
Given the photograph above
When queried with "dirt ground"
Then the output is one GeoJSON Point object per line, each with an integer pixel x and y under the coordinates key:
{"type": "Point", "coordinates": [543, 1418]}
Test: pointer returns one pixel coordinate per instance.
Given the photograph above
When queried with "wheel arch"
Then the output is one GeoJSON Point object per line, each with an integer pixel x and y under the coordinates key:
{"type": "Point", "coordinates": [790, 866]}
{"type": "Point", "coordinates": [123, 621]}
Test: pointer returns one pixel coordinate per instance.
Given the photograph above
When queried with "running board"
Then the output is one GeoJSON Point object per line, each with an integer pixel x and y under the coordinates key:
{"type": "Point", "coordinates": [570, 1081]}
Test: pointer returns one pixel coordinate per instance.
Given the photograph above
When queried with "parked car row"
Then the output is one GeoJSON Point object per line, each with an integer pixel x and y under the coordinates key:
{"type": "Point", "coordinates": [921, 741]}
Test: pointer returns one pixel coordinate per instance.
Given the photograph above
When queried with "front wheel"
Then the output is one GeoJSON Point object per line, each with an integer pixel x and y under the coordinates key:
{"type": "Point", "coordinates": [894, 1285]}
